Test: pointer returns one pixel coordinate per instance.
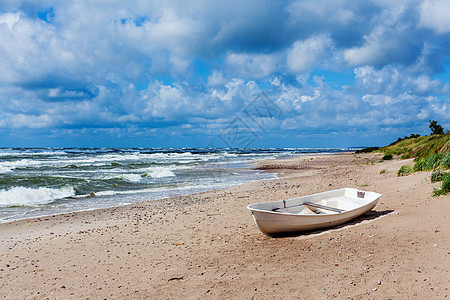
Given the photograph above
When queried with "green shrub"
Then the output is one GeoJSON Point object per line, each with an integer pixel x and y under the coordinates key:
{"type": "Point", "coordinates": [387, 157]}
{"type": "Point", "coordinates": [437, 175]}
{"type": "Point", "coordinates": [383, 171]}
{"type": "Point", "coordinates": [404, 170]}
{"type": "Point", "coordinates": [445, 188]}
{"type": "Point", "coordinates": [446, 183]}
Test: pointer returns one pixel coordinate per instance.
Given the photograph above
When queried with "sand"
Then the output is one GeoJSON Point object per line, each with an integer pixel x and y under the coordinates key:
{"type": "Point", "coordinates": [207, 245]}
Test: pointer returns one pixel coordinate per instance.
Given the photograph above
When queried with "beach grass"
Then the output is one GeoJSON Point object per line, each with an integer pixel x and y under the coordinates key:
{"type": "Point", "coordinates": [437, 176]}
{"type": "Point", "coordinates": [404, 170]}
{"type": "Point", "coordinates": [420, 147]}
{"type": "Point", "coordinates": [433, 162]}
{"type": "Point", "coordinates": [430, 153]}
{"type": "Point", "coordinates": [445, 187]}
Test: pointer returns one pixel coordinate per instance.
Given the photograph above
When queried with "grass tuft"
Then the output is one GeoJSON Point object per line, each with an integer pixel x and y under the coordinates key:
{"type": "Point", "coordinates": [437, 175]}
{"type": "Point", "coordinates": [445, 187]}
{"type": "Point", "coordinates": [404, 170]}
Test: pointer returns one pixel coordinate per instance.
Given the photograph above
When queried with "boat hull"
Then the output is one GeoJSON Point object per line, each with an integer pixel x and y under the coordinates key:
{"type": "Point", "coordinates": [274, 223]}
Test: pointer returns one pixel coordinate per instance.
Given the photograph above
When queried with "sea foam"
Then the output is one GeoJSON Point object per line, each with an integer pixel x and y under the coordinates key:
{"type": "Point", "coordinates": [160, 172]}
{"type": "Point", "coordinates": [5, 169]}
{"type": "Point", "coordinates": [22, 196]}
{"type": "Point", "coordinates": [132, 177]}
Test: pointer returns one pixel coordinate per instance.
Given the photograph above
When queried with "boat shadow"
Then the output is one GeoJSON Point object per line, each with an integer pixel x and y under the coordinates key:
{"type": "Point", "coordinates": [371, 215]}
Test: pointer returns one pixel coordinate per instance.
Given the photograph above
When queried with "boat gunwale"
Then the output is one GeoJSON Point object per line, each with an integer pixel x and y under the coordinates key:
{"type": "Point", "coordinates": [377, 196]}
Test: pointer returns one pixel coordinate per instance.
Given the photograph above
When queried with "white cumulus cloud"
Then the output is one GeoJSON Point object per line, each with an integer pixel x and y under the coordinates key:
{"type": "Point", "coordinates": [434, 14]}
{"type": "Point", "coordinates": [305, 55]}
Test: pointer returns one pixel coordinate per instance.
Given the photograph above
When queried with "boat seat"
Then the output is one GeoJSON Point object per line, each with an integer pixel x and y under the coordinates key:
{"type": "Point", "coordinates": [315, 205]}
{"type": "Point", "coordinates": [298, 210]}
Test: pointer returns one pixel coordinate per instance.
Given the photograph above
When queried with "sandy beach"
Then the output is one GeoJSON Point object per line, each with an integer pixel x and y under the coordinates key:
{"type": "Point", "coordinates": [207, 245]}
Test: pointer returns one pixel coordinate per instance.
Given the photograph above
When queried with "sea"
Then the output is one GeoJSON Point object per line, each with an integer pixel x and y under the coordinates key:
{"type": "Point", "coordinates": [37, 182]}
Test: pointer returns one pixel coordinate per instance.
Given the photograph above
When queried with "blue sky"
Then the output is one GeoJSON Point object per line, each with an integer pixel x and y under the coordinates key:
{"type": "Point", "coordinates": [332, 73]}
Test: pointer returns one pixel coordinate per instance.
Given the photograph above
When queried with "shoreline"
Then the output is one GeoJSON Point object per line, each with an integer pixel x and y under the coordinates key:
{"type": "Point", "coordinates": [136, 194]}
{"type": "Point", "coordinates": [207, 245]}
{"type": "Point", "coordinates": [251, 165]}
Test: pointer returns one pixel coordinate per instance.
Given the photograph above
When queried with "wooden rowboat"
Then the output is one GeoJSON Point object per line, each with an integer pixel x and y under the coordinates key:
{"type": "Point", "coordinates": [313, 211]}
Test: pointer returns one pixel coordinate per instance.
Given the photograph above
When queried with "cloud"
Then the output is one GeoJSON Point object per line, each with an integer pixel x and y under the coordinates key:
{"type": "Point", "coordinates": [165, 102]}
{"type": "Point", "coordinates": [434, 15]}
{"type": "Point", "coordinates": [29, 121]}
{"type": "Point", "coordinates": [216, 78]}
{"type": "Point", "coordinates": [252, 66]}
{"type": "Point", "coordinates": [395, 80]}
{"type": "Point", "coordinates": [306, 55]}
{"type": "Point", "coordinates": [10, 20]}
{"type": "Point", "coordinates": [393, 39]}
{"type": "Point", "coordinates": [345, 22]}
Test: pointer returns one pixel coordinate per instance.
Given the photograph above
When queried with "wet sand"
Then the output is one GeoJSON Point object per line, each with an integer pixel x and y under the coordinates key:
{"type": "Point", "coordinates": [207, 245]}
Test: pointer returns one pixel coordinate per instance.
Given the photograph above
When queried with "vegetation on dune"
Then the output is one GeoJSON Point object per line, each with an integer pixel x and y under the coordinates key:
{"type": "Point", "coordinates": [412, 136]}
{"type": "Point", "coordinates": [437, 176]}
{"type": "Point", "coordinates": [446, 183]}
{"type": "Point", "coordinates": [433, 162]}
{"type": "Point", "coordinates": [419, 147]}
{"type": "Point", "coordinates": [416, 146]}
{"type": "Point", "coordinates": [367, 150]}
{"type": "Point", "coordinates": [430, 153]}
{"type": "Point", "coordinates": [404, 170]}
{"type": "Point", "coordinates": [445, 188]}
{"type": "Point", "coordinates": [387, 157]}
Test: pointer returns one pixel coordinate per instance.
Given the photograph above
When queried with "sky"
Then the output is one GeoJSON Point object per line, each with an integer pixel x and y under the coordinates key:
{"type": "Point", "coordinates": [201, 73]}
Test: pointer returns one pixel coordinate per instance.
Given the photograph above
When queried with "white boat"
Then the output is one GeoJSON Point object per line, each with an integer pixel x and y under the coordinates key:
{"type": "Point", "coordinates": [313, 211]}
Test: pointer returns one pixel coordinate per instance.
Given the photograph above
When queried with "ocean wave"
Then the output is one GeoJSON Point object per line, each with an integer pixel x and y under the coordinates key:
{"type": "Point", "coordinates": [132, 177]}
{"type": "Point", "coordinates": [5, 169]}
{"type": "Point", "coordinates": [108, 160]}
{"type": "Point", "coordinates": [24, 196]}
{"type": "Point", "coordinates": [8, 166]}
{"type": "Point", "coordinates": [24, 153]}
{"type": "Point", "coordinates": [160, 172]}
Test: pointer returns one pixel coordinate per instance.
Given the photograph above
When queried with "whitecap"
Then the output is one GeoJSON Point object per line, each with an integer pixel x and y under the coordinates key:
{"type": "Point", "coordinates": [23, 163]}
{"type": "Point", "coordinates": [160, 172]}
{"type": "Point", "coordinates": [132, 177]}
{"type": "Point", "coordinates": [23, 196]}
{"type": "Point", "coordinates": [5, 169]}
